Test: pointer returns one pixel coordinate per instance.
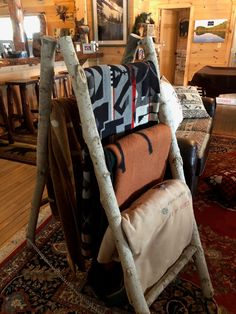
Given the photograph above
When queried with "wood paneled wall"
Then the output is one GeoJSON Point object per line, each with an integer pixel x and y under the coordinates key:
{"type": "Point", "coordinates": [201, 54]}
{"type": "Point", "coordinates": [198, 55]}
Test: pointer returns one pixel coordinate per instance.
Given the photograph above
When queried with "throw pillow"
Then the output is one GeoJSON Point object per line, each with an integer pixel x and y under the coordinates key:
{"type": "Point", "coordinates": [169, 99]}
{"type": "Point", "coordinates": [225, 182]}
{"type": "Point", "coordinates": [191, 102]}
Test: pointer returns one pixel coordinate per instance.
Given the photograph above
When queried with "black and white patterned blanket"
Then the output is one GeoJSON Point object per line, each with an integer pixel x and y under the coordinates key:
{"type": "Point", "coordinates": [123, 96]}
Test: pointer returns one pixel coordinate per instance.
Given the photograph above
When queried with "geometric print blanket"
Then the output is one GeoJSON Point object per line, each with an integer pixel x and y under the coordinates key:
{"type": "Point", "coordinates": [123, 96]}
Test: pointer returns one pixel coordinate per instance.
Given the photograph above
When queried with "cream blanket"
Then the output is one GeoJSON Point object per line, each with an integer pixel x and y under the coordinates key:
{"type": "Point", "coordinates": [158, 226]}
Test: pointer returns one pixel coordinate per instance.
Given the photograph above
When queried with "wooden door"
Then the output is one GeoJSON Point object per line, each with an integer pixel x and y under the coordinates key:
{"type": "Point", "coordinates": [168, 38]}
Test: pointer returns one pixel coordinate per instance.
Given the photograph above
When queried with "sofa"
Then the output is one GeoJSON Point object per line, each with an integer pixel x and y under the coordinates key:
{"type": "Point", "coordinates": [191, 118]}
{"type": "Point", "coordinates": [193, 136]}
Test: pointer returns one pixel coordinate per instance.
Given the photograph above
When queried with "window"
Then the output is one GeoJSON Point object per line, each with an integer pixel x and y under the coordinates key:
{"type": "Point", "coordinates": [31, 25]}
{"type": "Point", "coordinates": [5, 23]}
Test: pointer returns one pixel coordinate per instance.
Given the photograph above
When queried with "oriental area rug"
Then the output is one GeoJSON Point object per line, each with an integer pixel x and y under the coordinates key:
{"type": "Point", "coordinates": [216, 218]}
{"type": "Point", "coordinates": [19, 152]}
{"type": "Point", "coordinates": [31, 284]}
{"type": "Point", "coordinates": [22, 150]}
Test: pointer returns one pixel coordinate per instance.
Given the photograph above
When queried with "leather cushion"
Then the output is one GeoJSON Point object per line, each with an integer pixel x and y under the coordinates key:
{"type": "Point", "coordinates": [202, 125]}
{"type": "Point", "coordinates": [201, 138]}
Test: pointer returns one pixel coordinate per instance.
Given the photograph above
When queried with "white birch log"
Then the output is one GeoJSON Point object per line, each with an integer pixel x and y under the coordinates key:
{"type": "Point", "coordinates": [131, 48]}
{"type": "Point", "coordinates": [176, 164]}
{"type": "Point", "coordinates": [175, 159]}
{"type": "Point", "coordinates": [107, 195]}
{"type": "Point", "coordinates": [150, 52]}
{"type": "Point", "coordinates": [45, 92]}
{"type": "Point", "coordinates": [200, 261]}
{"type": "Point", "coordinates": [170, 274]}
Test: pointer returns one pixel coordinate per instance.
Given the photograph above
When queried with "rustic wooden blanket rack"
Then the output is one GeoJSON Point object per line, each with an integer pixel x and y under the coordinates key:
{"type": "Point", "coordinates": [138, 300]}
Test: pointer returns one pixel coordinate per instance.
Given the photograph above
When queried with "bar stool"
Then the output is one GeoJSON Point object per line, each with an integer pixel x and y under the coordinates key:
{"type": "Point", "coordinates": [68, 81]}
{"type": "Point", "coordinates": [60, 80]}
{"type": "Point", "coordinates": [5, 117]}
{"type": "Point", "coordinates": [26, 114]}
{"type": "Point", "coordinates": [60, 84]}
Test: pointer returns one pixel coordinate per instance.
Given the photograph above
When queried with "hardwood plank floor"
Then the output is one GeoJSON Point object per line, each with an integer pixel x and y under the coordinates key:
{"type": "Point", "coordinates": [17, 182]}
{"type": "Point", "coordinates": [225, 120]}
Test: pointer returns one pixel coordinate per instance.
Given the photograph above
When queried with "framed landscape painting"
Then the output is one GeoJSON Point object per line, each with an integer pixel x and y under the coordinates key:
{"type": "Point", "coordinates": [210, 31]}
{"type": "Point", "coordinates": [110, 22]}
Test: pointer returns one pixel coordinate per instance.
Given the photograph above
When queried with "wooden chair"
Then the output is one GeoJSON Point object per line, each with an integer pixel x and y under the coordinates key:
{"type": "Point", "coordinates": [4, 115]}
{"type": "Point", "coordinates": [24, 114]}
{"type": "Point", "coordinates": [137, 299]}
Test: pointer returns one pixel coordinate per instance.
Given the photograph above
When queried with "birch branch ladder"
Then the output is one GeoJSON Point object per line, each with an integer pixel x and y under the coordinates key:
{"type": "Point", "coordinates": [133, 287]}
{"type": "Point", "coordinates": [107, 194]}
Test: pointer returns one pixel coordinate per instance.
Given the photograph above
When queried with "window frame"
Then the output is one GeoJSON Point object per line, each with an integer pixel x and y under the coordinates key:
{"type": "Point", "coordinates": [38, 15]}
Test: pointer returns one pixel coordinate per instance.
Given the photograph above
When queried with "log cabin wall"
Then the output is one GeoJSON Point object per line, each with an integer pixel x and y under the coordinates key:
{"type": "Point", "coordinates": [111, 54]}
{"type": "Point", "coordinates": [198, 54]}
{"type": "Point", "coordinates": [181, 47]}
{"type": "Point", "coordinates": [49, 8]}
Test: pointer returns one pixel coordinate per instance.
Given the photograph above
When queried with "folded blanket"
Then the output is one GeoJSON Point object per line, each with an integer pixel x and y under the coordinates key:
{"type": "Point", "coordinates": [123, 96]}
{"type": "Point", "coordinates": [65, 166]}
{"type": "Point", "coordinates": [141, 159]}
{"type": "Point", "coordinates": [157, 226]}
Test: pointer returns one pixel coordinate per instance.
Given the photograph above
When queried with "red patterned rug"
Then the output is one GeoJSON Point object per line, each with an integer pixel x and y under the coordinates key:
{"type": "Point", "coordinates": [216, 218]}
{"type": "Point", "coordinates": [29, 285]}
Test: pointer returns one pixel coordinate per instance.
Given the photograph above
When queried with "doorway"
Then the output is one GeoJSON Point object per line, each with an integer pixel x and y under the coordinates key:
{"type": "Point", "coordinates": [174, 30]}
{"type": "Point", "coordinates": [232, 58]}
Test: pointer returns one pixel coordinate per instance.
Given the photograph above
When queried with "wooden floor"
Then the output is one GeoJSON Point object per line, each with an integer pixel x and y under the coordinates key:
{"type": "Point", "coordinates": [225, 120]}
{"type": "Point", "coordinates": [16, 187]}
{"type": "Point", "coordinates": [17, 180]}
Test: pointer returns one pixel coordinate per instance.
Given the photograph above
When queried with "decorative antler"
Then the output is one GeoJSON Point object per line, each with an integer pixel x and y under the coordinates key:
{"type": "Point", "coordinates": [61, 11]}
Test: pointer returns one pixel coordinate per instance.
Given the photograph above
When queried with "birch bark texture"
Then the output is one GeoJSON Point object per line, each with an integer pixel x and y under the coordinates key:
{"type": "Point", "coordinates": [176, 164]}
{"type": "Point", "coordinates": [107, 195]}
{"type": "Point", "coordinates": [45, 94]}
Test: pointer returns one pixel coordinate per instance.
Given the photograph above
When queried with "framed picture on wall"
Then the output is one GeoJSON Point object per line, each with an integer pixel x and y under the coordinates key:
{"type": "Point", "coordinates": [110, 22]}
{"type": "Point", "coordinates": [210, 31]}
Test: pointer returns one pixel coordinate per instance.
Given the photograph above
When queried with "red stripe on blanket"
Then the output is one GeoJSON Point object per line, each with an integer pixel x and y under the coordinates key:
{"type": "Point", "coordinates": [133, 78]}
{"type": "Point", "coordinates": [113, 102]}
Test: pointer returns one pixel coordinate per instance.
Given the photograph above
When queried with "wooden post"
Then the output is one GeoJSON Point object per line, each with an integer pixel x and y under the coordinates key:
{"type": "Point", "coordinates": [17, 19]}
{"type": "Point", "coordinates": [131, 48]}
{"type": "Point", "coordinates": [150, 52]}
{"type": "Point", "coordinates": [45, 92]}
{"type": "Point", "coordinates": [107, 195]}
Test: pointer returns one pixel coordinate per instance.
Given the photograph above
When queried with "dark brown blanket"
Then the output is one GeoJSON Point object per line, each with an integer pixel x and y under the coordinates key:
{"type": "Point", "coordinates": [65, 166]}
